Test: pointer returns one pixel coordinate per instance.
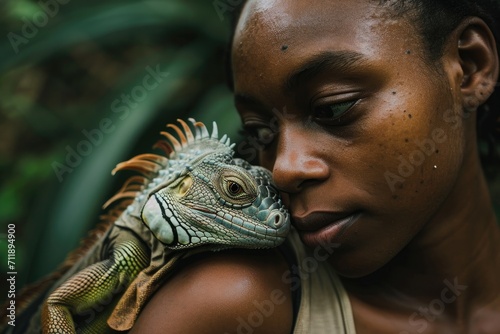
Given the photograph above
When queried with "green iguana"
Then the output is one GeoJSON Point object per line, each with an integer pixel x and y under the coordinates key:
{"type": "Point", "coordinates": [196, 198]}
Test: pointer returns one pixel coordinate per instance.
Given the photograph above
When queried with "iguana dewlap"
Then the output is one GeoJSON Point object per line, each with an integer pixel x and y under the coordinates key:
{"type": "Point", "coordinates": [197, 197]}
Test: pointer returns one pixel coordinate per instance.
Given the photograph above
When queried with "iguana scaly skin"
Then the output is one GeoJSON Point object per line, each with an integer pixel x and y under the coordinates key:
{"type": "Point", "coordinates": [196, 198]}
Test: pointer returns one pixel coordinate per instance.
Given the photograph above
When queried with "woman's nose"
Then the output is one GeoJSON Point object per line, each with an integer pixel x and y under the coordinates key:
{"type": "Point", "coordinates": [299, 161]}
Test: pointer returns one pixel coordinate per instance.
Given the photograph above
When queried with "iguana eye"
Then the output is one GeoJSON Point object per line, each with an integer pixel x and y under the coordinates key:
{"type": "Point", "coordinates": [185, 185]}
{"type": "Point", "coordinates": [182, 186]}
{"type": "Point", "coordinates": [234, 188]}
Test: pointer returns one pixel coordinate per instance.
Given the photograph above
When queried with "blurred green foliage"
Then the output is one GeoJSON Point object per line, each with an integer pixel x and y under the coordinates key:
{"type": "Point", "coordinates": [64, 66]}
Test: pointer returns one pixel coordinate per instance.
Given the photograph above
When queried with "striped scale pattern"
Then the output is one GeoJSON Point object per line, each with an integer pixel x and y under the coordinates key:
{"type": "Point", "coordinates": [94, 290]}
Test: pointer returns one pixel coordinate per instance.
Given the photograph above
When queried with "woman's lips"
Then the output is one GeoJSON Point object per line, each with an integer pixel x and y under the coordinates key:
{"type": "Point", "coordinates": [322, 227]}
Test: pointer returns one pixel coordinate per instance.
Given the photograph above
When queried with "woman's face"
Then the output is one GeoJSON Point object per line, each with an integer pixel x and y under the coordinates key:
{"type": "Point", "coordinates": [363, 137]}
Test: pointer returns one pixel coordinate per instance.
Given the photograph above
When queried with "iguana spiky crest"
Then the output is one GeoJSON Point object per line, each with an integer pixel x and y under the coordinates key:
{"type": "Point", "coordinates": [200, 162]}
{"type": "Point", "coordinates": [157, 170]}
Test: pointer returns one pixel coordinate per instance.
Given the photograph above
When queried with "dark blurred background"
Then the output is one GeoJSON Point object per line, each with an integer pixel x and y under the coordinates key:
{"type": "Point", "coordinates": [85, 84]}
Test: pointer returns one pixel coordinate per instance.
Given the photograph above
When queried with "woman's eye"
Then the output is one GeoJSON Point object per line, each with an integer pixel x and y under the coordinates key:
{"type": "Point", "coordinates": [263, 135]}
{"type": "Point", "coordinates": [332, 112]}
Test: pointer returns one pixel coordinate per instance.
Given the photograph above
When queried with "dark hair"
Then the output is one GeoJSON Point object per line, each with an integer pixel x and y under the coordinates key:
{"type": "Point", "coordinates": [435, 20]}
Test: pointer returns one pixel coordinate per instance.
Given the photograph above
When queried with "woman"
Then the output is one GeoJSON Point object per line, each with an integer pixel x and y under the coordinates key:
{"type": "Point", "coordinates": [365, 112]}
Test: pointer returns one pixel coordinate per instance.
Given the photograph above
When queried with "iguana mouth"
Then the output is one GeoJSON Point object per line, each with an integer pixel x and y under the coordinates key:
{"type": "Point", "coordinates": [270, 233]}
{"type": "Point", "coordinates": [200, 208]}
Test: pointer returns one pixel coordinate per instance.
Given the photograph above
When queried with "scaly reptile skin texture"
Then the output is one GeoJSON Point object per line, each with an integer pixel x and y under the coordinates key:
{"type": "Point", "coordinates": [196, 198]}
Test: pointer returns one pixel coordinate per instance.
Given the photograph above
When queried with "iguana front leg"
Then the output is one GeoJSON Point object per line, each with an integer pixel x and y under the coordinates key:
{"type": "Point", "coordinates": [93, 290]}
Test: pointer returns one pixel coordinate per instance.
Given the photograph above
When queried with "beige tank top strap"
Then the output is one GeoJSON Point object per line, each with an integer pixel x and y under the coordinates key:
{"type": "Point", "coordinates": [324, 304]}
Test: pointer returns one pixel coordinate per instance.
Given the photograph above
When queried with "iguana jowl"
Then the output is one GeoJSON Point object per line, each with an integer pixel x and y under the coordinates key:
{"type": "Point", "coordinates": [198, 197]}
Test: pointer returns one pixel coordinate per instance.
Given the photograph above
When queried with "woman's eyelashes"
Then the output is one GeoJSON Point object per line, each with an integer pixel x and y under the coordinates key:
{"type": "Point", "coordinates": [332, 113]}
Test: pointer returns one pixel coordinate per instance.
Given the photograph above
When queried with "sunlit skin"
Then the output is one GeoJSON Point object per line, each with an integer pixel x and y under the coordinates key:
{"type": "Point", "coordinates": [341, 91]}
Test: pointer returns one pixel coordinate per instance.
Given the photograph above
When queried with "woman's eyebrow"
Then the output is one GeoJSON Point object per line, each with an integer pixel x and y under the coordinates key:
{"type": "Point", "coordinates": [327, 60]}
{"type": "Point", "coordinates": [331, 60]}
{"type": "Point", "coordinates": [247, 100]}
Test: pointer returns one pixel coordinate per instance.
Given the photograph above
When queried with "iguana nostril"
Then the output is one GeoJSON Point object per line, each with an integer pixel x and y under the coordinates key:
{"type": "Point", "coordinates": [277, 220]}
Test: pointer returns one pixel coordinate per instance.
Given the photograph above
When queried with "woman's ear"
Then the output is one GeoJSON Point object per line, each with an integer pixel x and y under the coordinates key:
{"type": "Point", "coordinates": [478, 60]}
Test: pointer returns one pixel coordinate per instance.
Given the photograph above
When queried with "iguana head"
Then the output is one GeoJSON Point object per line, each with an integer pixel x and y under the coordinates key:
{"type": "Point", "coordinates": [200, 194]}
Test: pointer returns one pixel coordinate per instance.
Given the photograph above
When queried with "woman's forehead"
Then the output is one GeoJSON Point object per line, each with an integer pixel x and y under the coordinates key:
{"type": "Point", "coordinates": [281, 29]}
{"type": "Point", "coordinates": [278, 22]}
{"type": "Point", "coordinates": [274, 41]}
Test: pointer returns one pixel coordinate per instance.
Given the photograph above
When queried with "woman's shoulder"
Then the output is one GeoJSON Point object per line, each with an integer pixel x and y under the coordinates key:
{"type": "Point", "coordinates": [230, 291]}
